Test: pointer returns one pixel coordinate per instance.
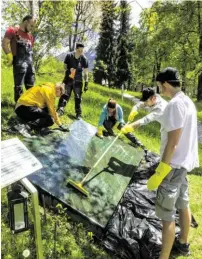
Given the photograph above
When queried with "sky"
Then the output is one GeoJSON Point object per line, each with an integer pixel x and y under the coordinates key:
{"type": "Point", "coordinates": [137, 6]}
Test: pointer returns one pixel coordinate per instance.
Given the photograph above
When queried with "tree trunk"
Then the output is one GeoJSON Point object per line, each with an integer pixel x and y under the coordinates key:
{"type": "Point", "coordinates": [199, 95]}
{"type": "Point", "coordinates": [184, 81]}
{"type": "Point", "coordinates": [158, 67]}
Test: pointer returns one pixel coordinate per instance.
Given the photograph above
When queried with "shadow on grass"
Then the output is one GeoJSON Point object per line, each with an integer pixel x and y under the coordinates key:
{"type": "Point", "coordinates": [71, 116]}
{"type": "Point", "coordinates": [196, 171]}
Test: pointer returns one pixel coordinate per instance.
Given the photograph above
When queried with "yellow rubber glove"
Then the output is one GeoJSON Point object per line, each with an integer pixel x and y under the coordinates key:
{"type": "Point", "coordinates": [132, 115]}
{"type": "Point", "coordinates": [160, 173]}
{"type": "Point", "coordinates": [9, 59]}
{"type": "Point", "coordinates": [100, 132]}
{"type": "Point", "coordinates": [126, 129]}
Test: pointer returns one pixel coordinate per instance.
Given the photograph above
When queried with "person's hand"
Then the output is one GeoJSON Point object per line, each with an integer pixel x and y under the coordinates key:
{"type": "Point", "coordinates": [127, 129]}
{"type": "Point", "coordinates": [160, 173]}
{"type": "Point", "coordinates": [132, 115]}
{"type": "Point", "coordinates": [85, 87]}
{"type": "Point", "coordinates": [64, 128]}
{"type": "Point", "coordinates": [9, 57]}
{"type": "Point", "coordinates": [99, 132]}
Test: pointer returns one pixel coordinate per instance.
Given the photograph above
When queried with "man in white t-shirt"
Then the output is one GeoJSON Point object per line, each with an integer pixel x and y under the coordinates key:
{"type": "Point", "coordinates": [179, 155]}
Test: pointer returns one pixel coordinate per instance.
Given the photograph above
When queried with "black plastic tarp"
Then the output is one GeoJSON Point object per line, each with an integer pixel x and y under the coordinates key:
{"type": "Point", "coordinates": [134, 232]}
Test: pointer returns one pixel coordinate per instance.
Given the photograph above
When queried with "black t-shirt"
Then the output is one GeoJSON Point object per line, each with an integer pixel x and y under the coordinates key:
{"type": "Point", "coordinates": [78, 64]}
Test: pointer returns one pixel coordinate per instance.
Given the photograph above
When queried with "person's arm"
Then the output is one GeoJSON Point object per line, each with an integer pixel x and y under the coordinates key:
{"type": "Point", "coordinates": [153, 116]}
{"type": "Point", "coordinates": [138, 106]}
{"type": "Point", "coordinates": [134, 111]}
{"type": "Point", "coordinates": [66, 62]}
{"type": "Point", "coordinates": [102, 116]}
{"type": "Point", "coordinates": [7, 40]}
{"type": "Point", "coordinates": [50, 102]}
{"type": "Point", "coordinates": [85, 66]}
{"type": "Point", "coordinates": [6, 45]}
{"type": "Point", "coordinates": [86, 74]}
{"type": "Point", "coordinates": [120, 113]}
{"type": "Point", "coordinates": [173, 121]}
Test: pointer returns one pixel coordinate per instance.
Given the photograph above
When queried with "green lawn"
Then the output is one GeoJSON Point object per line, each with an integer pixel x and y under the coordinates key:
{"type": "Point", "coordinates": [93, 101]}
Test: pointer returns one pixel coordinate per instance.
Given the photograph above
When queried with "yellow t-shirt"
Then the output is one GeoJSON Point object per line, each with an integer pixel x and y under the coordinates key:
{"type": "Point", "coordinates": [41, 96]}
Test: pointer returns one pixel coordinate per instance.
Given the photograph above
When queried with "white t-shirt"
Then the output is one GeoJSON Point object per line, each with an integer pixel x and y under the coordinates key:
{"type": "Point", "coordinates": [181, 113]}
{"type": "Point", "coordinates": [156, 111]}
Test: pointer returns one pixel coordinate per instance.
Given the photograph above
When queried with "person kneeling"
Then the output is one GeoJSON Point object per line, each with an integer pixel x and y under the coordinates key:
{"type": "Point", "coordinates": [36, 107]}
{"type": "Point", "coordinates": [111, 114]}
{"type": "Point", "coordinates": [110, 117]}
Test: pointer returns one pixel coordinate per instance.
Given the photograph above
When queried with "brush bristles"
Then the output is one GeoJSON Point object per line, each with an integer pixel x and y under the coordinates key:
{"type": "Point", "coordinates": [78, 186]}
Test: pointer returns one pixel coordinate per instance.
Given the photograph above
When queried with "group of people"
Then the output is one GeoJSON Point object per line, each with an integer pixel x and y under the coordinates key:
{"type": "Point", "coordinates": [35, 107]}
{"type": "Point", "coordinates": [178, 119]}
{"type": "Point", "coordinates": [178, 151]}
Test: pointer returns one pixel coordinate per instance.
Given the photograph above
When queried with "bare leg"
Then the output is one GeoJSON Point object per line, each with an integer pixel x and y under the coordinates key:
{"type": "Point", "coordinates": [185, 221]}
{"type": "Point", "coordinates": [168, 236]}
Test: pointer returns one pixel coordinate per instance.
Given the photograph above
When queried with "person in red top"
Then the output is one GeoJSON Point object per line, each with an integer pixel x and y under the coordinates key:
{"type": "Point", "coordinates": [17, 45]}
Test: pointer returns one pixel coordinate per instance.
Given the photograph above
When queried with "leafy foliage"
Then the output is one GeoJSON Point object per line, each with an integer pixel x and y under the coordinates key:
{"type": "Point", "coordinates": [123, 73]}
{"type": "Point", "coordinates": [105, 56]}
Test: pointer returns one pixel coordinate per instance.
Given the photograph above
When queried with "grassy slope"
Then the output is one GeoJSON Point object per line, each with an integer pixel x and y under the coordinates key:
{"type": "Point", "coordinates": [92, 103]}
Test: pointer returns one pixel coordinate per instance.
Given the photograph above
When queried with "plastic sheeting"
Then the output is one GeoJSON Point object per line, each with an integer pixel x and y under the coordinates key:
{"type": "Point", "coordinates": [119, 200]}
{"type": "Point", "coordinates": [134, 232]}
{"type": "Point", "coordinates": [71, 155]}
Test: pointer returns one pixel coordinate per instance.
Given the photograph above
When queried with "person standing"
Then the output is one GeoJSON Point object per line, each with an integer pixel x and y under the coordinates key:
{"type": "Point", "coordinates": [179, 155]}
{"type": "Point", "coordinates": [75, 64]}
{"type": "Point", "coordinates": [17, 45]}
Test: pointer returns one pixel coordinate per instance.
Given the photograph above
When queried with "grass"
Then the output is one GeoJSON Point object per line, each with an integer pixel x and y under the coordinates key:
{"type": "Point", "coordinates": [93, 101]}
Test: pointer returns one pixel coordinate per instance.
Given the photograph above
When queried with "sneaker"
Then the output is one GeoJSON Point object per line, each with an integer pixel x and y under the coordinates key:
{"type": "Point", "coordinates": [105, 133]}
{"type": "Point", "coordinates": [183, 249]}
{"type": "Point", "coordinates": [60, 111]}
{"type": "Point", "coordinates": [23, 130]}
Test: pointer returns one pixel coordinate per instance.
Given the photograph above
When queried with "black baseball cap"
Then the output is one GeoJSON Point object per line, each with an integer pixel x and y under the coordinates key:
{"type": "Point", "coordinates": [79, 45]}
{"type": "Point", "coordinates": [147, 93]}
{"type": "Point", "coordinates": [169, 74]}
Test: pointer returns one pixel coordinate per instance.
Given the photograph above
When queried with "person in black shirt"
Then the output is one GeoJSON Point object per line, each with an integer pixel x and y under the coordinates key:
{"type": "Point", "coordinates": [75, 64]}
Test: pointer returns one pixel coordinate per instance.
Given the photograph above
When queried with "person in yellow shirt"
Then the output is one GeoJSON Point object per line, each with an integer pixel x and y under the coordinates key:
{"type": "Point", "coordinates": [36, 107]}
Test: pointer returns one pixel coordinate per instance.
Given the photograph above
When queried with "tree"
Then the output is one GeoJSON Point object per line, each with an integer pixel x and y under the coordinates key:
{"type": "Point", "coordinates": [51, 28]}
{"type": "Point", "coordinates": [199, 9]}
{"type": "Point", "coordinates": [105, 51]}
{"type": "Point", "coordinates": [123, 72]}
{"type": "Point", "coordinates": [85, 22]}
{"type": "Point", "coordinates": [168, 36]}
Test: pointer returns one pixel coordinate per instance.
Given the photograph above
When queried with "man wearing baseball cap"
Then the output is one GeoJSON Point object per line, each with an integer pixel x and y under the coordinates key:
{"type": "Point", "coordinates": [151, 102]}
{"type": "Point", "coordinates": [179, 155]}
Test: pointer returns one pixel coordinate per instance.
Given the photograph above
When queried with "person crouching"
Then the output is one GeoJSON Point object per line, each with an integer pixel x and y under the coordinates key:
{"type": "Point", "coordinates": [36, 107]}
